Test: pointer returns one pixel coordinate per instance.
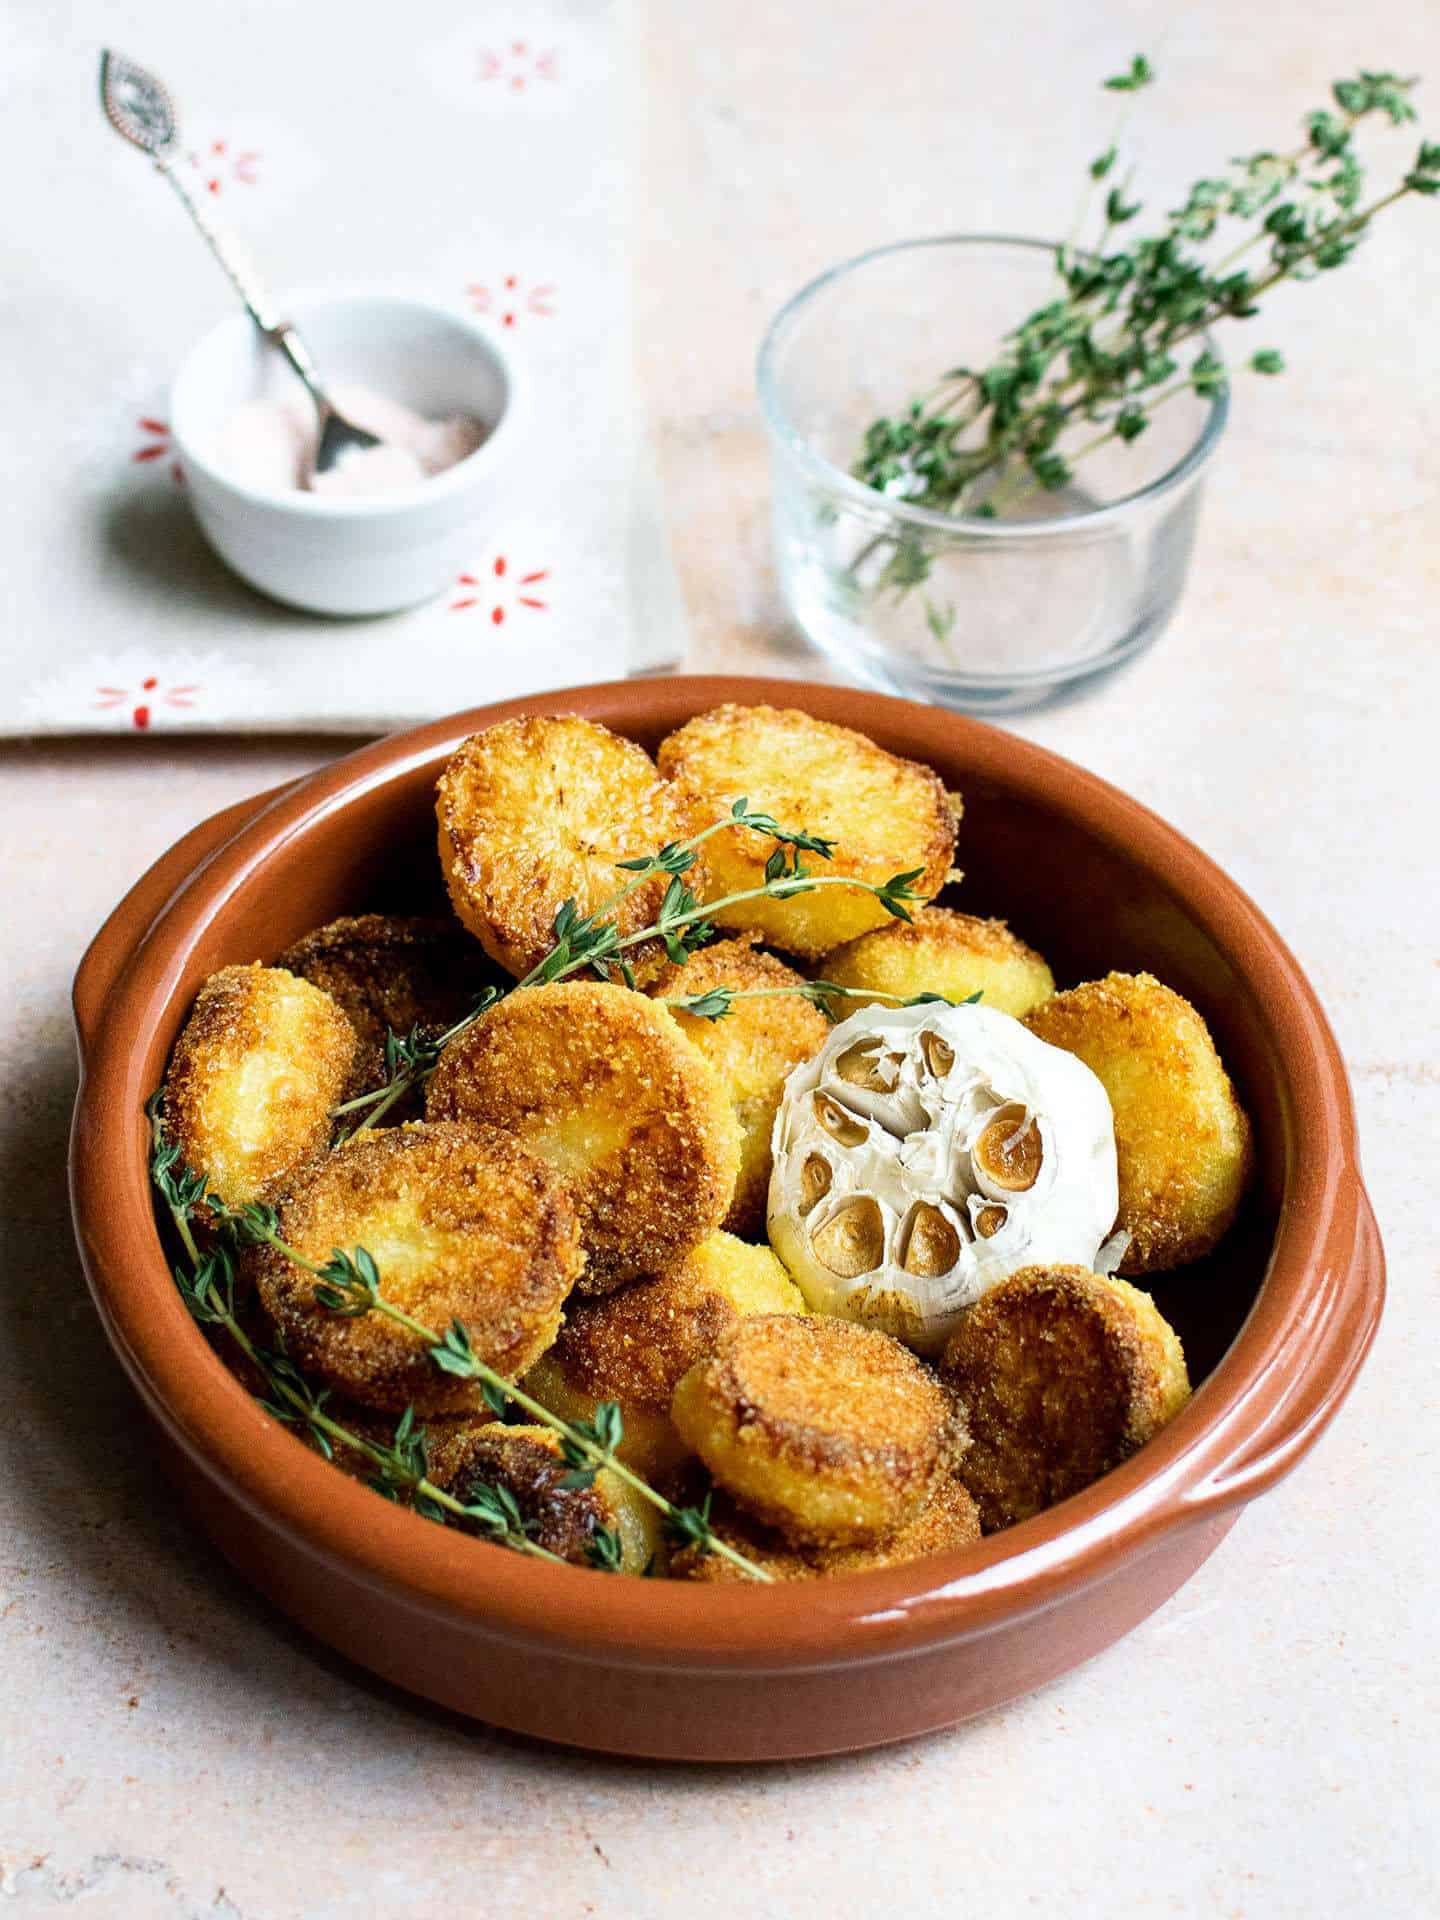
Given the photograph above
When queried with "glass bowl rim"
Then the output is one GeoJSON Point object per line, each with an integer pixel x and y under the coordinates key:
{"type": "Point", "coordinates": [880, 505]}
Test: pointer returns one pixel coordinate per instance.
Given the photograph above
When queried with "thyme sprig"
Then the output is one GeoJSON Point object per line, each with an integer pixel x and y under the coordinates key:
{"type": "Point", "coordinates": [718, 1003]}
{"type": "Point", "coordinates": [1109, 348]}
{"type": "Point", "coordinates": [349, 1284]}
{"type": "Point", "coordinates": [207, 1282]}
{"type": "Point", "coordinates": [682, 925]}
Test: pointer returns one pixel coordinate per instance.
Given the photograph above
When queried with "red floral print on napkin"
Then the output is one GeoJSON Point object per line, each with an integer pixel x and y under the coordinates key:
{"type": "Point", "coordinates": [510, 297]}
{"type": "Point", "coordinates": [156, 445]}
{"type": "Point", "coordinates": [501, 590]}
{"type": "Point", "coordinates": [220, 162]}
{"type": "Point", "coordinates": [144, 689]}
{"type": "Point", "coordinates": [517, 65]}
{"type": "Point", "coordinates": [143, 699]}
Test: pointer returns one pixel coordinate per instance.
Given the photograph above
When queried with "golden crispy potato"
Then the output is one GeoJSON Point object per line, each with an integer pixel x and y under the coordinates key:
{"type": "Point", "coordinates": [464, 1224]}
{"type": "Point", "coordinates": [827, 1431]}
{"type": "Point", "coordinates": [633, 1346]}
{"type": "Point", "coordinates": [1062, 1374]}
{"type": "Point", "coordinates": [944, 952]}
{"type": "Point", "coordinates": [752, 1049]}
{"type": "Point", "coordinates": [539, 811]}
{"type": "Point", "coordinates": [527, 1462]}
{"type": "Point", "coordinates": [1181, 1138]}
{"type": "Point", "coordinates": [947, 1518]}
{"type": "Point", "coordinates": [390, 973]}
{"type": "Point", "coordinates": [260, 1063]}
{"type": "Point", "coordinates": [886, 815]}
{"type": "Point", "coordinates": [604, 1086]}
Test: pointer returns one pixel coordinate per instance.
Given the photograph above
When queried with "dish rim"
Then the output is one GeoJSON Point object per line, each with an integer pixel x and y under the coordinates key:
{"type": "Point", "coordinates": [1267, 1399]}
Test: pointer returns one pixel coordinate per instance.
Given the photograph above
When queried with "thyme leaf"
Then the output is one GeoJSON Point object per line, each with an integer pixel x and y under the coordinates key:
{"type": "Point", "coordinates": [1127, 328]}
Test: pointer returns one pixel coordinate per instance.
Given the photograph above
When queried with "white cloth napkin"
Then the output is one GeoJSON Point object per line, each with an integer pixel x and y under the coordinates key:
{"type": "Point", "coordinates": [470, 153]}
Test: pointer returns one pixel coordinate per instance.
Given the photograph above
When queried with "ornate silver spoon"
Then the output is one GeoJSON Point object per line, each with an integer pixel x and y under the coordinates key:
{"type": "Point", "coordinates": [141, 111]}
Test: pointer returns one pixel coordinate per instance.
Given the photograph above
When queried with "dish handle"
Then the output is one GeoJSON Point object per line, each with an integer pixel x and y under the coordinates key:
{"type": "Point", "coordinates": [1337, 1329]}
{"type": "Point", "coordinates": [110, 952]}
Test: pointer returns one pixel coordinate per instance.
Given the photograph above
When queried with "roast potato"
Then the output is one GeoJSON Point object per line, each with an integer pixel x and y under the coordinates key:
{"type": "Point", "coordinates": [949, 953]}
{"type": "Point", "coordinates": [1062, 1374]}
{"type": "Point", "coordinates": [261, 1062]}
{"type": "Point", "coordinates": [946, 1518]}
{"type": "Point", "coordinates": [537, 811]}
{"type": "Point", "coordinates": [1182, 1139]}
{"type": "Point", "coordinates": [752, 1049]}
{"type": "Point", "coordinates": [827, 1431]}
{"type": "Point", "coordinates": [632, 1346]}
{"type": "Point", "coordinates": [463, 1222]}
{"type": "Point", "coordinates": [604, 1086]}
{"type": "Point", "coordinates": [885, 815]}
{"type": "Point", "coordinates": [392, 974]}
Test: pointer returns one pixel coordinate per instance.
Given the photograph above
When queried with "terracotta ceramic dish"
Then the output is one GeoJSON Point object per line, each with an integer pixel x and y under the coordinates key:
{"type": "Point", "coordinates": [1276, 1325]}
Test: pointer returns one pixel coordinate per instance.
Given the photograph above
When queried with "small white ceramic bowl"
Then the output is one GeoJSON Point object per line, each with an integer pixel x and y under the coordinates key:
{"type": "Point", "coordinates": [348, 556]}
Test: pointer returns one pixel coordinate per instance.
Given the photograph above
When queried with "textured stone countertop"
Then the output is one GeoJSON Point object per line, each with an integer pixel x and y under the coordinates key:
{"type": "Point", "coordinates": [1265, 1745]}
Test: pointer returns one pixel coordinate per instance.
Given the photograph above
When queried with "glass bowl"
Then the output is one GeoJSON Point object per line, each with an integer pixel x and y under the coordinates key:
{"type": "Point", "coordinates": [1011, 611]}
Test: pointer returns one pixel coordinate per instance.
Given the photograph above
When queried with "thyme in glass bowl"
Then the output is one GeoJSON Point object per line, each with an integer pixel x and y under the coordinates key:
{"type": "Point", "coordinates": [1127, 329]}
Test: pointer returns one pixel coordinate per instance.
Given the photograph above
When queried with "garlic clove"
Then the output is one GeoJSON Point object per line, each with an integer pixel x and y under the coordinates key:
{"type": "Point", "coordinates": [989, 1220]}
{"type": "Point", "coordinates": [930, 1244]}
{"type": "Point", "coordinates": [863, 1066]}
{"type": "Point", "coordinates": [816, 1177]}
{"type": "Point", "coordinates": [1009, 1153]}
{"type": "Point", "coordinates": [839, 1122]}
{"type": "Point", "coordinates": [938, 1055]}
{"type": "Point", "coordinates": [892, 1310]}
{"type": "Point", "coordinates": [852, 1241]}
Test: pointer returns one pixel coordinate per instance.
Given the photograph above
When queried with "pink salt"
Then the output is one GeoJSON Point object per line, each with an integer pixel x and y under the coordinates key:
{"type": "Point", "coordinates": [270, 445]}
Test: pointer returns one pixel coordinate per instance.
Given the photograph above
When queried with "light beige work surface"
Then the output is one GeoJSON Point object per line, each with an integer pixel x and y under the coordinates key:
{"type": "Point", "coordinates": [1265, 1746]}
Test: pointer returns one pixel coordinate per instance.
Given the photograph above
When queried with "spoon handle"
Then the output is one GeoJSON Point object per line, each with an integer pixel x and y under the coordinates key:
{"type": "Point", "coordinates": [223, 244]}
{"type": "Point", "coordinates": [141, 111]}
{"type": "Point", "coordinates": [244, 278]}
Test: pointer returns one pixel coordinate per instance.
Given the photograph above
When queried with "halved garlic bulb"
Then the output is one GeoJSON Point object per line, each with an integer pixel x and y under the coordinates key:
{"type": "Point", "coordinates": [927, 1152]}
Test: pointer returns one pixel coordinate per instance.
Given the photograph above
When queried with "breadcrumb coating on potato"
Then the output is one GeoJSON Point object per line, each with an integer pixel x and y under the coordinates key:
{"type": "Point", "coordinates": [947, 1518]}
{"type": "Point", "coordinates": [463, 1222]}
{"type": "Point", "coordinates": [1182, 1140]}
{"type": "Point", "coordinates": [386, 972]}
{"type": "Point", "coordinates": [1063, 1374]}
{"type": "Point", "coordinates": [825, 1430]}
{"type": "Point", "coordinates": [537, 811]}
{"type": "Point", "coordinates": [954, 954]}
{"type": "Point", "coordinates": [886, 815]}
{"type": "Point", "coordinates": [632, 1346]}
{"type": "Point", "coordinates": [259, 1065]}
{"type": "Point", "coordinates": [753, 1049]}
{"type": "Point", "coordinates": [604, 1086]}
